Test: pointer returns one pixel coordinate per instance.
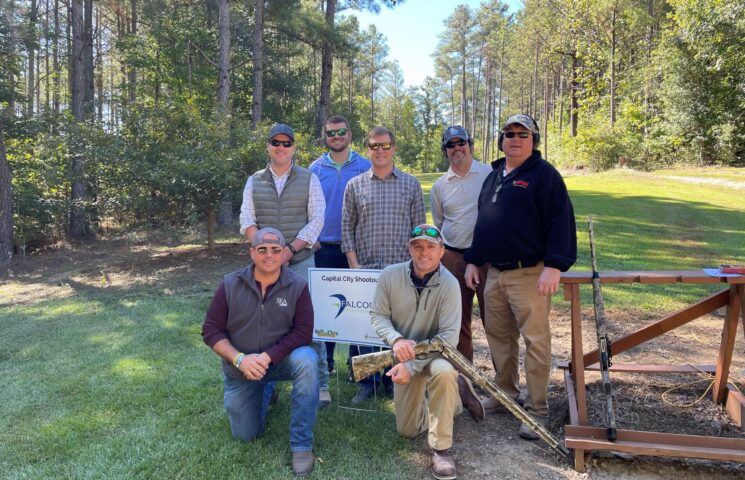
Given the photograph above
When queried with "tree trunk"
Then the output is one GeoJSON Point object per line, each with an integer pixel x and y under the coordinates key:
{"type": "Point", "coordinates": [132, 73]}
{"type": "Point", "coordinates": [98, 70]}
{"type": "Point", "coordinates": [257, 102]}
{"type": "Point", "coordinates": [327, 66]}
{"type": "Point", "coordinates": [210, 228]}
{"type": "Point", "coordinates": [223, 81]}
{"type": "Point", "coordinates": [56, 62]}
{"type": "Point", "coordinates": [613, 70]}
{"type": "Point", "coordinates": [88, 59]}
{"type": "Point", "coordinates": [31, 49]}
{"type": "Point", "coordinates": [6, 204]}
{"type": "Point", "coordinates": [463, 99]}
{"type": "Point", "coordinates": [78, 222]}
{"type": "Point", "coordinates": [574, 106]}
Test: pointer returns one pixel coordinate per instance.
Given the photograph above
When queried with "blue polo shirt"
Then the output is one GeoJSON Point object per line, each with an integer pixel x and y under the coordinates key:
{"type": "Point", "coordinates": [334, 181]}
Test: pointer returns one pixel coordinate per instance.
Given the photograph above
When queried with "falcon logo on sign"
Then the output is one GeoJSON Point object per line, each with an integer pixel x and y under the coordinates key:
{"type": "Point", "coordinates": [342, 304]}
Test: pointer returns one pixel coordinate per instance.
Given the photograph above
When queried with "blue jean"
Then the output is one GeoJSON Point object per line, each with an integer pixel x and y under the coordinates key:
{"type": "Point", "coordinates": [247, 401]}
{"type": "Point", "coordinates": [301, 268]}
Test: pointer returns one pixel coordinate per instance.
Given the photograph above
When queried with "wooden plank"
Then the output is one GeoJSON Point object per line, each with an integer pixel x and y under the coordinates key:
{"type": "Point", "coordinates": [662, 326]}
{"type": "Point", "coordinates": [578, 372]}
{"type": "Point", "coordinates": [729, 330]}
{"type": "Point", "coordinates": [649, 276]}
{"type": "Point", "coordinates": [571, 398]}
{"type": "Point", "coordinates": [741, 294]}
{"type": "Point", "coordinates": [642, 368]}
{"type": "Point", "coordinates": [736, 406]}
{"type": "Point", "coordinates": [656, 443]}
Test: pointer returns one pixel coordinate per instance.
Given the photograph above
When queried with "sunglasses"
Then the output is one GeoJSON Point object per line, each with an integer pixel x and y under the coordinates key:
{"type": "Point", "coordinates": [339, 131]}
{"type": "Point", "coordinates": [453, 144]}
{"type": "Point", "coordinates": [431, 232]}
{"type": "Point", "coordinates": [265, 250]}
{"type": "Point", "coordinates": [517, 134]}
{"type": "Point", "coordinates": [284, 143]}
{"type": "Point", "coordinates": [378, 146]}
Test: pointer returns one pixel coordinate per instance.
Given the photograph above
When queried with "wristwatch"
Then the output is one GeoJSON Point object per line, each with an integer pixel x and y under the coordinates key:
{"type": "Point", "coordinates": [238, 360]}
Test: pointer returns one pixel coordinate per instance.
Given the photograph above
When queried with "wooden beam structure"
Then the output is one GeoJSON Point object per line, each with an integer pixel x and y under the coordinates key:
{"type": "Point", "coordinates": [583, 437]}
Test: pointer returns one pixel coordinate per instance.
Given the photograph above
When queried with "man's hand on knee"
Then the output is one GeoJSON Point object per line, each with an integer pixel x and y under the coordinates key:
{"type": "Point", "coordinates": [399, 374]}
{"type": "Point", "coordinates": [254, 366]}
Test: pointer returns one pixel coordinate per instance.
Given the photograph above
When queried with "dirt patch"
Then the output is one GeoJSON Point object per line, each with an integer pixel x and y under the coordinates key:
{"type": "Point", "coordinates": [490, 449]}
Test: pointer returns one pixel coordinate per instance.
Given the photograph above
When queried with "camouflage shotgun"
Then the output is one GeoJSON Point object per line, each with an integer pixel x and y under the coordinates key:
{"type": "Point", "coordinates": [365, 365]}
{"type": "Point", "coordinates": [604, 346]}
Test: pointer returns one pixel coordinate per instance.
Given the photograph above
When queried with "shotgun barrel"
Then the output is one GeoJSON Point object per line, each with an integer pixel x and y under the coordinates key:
{"type": "Point", "coordinates": [365, 365]}
{"type": "Point", "coordinates": [604, 344]}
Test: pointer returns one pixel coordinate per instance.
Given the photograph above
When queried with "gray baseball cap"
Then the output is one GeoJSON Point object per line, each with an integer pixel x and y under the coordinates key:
{"type": "Point", "coordinates": [261, 237]}
{"type": "Point", "coordinates": [281, 128]}
{"type": "Point", "coordinates": [523, 120]}
{"type": "Point", "coordinates": [456, 131]}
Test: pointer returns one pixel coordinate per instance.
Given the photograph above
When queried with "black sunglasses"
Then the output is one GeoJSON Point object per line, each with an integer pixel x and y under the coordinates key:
{"type": "Point", "coordinates": [378, 146]}
{"type": "Point", "coordinates": [454, 143]}
{"type": "Point", "coordinates": [431, 232]}
{"type": "Point", "coordinates": [339, 131]}
{"type": "Point", "coordinates": [284, 143]}
{"type": "Point", "coordinates": [518, 134]}
{"type": "Point", "coordinates": [265, 250]}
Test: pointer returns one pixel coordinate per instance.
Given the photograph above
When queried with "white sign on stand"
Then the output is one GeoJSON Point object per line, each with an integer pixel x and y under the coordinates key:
{"type": "Point", "coordinates": [341, 305]}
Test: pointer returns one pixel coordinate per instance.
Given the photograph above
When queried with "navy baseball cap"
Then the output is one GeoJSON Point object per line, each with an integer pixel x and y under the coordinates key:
{"type": "Point", "coordinates": [456, 131]}
{"type": "Point", "coordinates": [281, 128]}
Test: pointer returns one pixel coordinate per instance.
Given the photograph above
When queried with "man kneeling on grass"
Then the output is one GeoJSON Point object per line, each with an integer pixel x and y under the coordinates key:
{"type": "Point", "coordinates": [260, 322]}
{"type": "Point", "coordinates": [417, 300]}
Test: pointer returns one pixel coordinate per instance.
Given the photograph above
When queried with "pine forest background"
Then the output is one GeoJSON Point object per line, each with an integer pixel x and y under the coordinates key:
{"type": "Point", "coordinates": [127, 113]}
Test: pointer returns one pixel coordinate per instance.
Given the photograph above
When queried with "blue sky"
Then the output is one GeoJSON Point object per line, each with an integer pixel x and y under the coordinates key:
{"type": "Point", "coordinates": [412, 28]}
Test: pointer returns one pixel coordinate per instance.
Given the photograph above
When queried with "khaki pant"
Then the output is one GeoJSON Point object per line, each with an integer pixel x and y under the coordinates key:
{"type": "Point", "coordinates": [514, 308]}
{"type": "Point", "coordinates": [456, 265]}
{"type": "Point", "coordinates": [429, 401]}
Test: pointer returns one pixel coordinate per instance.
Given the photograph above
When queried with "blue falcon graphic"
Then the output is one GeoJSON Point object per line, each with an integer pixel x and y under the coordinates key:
{"type": "Point", "coordinates": [342, 303]}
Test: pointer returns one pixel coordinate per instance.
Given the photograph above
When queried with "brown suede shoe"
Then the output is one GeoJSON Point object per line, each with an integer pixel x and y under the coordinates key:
{"type": "Point", "coordinates": [469, 399]}
{"type": "Point", "coordinates": [443, 465]}
{"type": "Point", "coordinates": [302, 462]}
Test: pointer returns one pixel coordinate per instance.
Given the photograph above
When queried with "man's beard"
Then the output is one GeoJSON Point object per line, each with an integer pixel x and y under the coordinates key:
{"type": "Point", "coordinates": [339, 149]}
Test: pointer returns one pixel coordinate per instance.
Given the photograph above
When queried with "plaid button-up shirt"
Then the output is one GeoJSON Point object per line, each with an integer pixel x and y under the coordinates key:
{"type": "Point", "coordinates": [378, 216]}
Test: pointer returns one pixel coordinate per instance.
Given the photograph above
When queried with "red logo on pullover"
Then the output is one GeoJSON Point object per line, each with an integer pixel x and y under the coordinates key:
{"type": "Point", "coordinates": [520, 183]}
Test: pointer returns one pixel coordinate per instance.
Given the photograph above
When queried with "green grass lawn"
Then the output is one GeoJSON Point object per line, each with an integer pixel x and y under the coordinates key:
{"type": "Point", "coordinates": [116, 382]}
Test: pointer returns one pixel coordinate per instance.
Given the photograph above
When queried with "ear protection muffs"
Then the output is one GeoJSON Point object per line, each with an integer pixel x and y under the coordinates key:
{"type": "Point", "coordinates": [536, 136]}
{"type": "Point", "coordinates": [443, 149]}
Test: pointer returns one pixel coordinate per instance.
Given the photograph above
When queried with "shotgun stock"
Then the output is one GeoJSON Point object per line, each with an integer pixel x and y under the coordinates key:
{"type": "Point", "coordinates": [604, 344]}
{"type": "Point", "coordinates": [365, 365]}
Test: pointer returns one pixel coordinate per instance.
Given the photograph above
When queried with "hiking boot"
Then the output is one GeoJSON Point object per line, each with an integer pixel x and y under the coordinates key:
{"type": "Point", "coordinates": [443, 465]}
{"type": "Point", "coordinates": [527, 433]}
{"type": "Point", "coordinates": [302, 462]}
{"type": "Point", "coordinates": [491, 405]}
{"type": "Point", "coordinates": [362, 395]}
{"type": "Point", "coordinates": [469, 399]}
{"type": "Point", "coordinates": [324, 399]}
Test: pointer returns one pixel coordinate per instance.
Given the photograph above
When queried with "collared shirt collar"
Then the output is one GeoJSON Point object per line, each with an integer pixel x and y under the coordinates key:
{"type": "Point", "coordinates": [395, 173]}
{"type": "Point", "coordinates": [276, 175]}
{"type": "Point", "coordinates": [450, 173]}
{"type": "Point", "coordinates": [330, 161]}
